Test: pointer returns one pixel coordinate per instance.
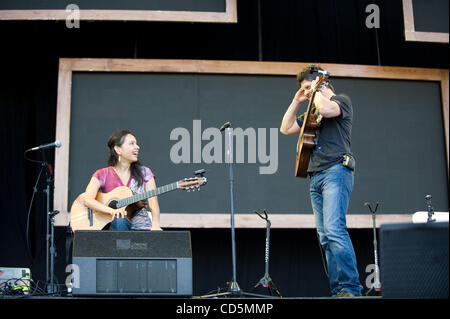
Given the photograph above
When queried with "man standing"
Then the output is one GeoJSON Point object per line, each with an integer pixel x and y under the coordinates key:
{"type": "Point", "coordinates": [331, 172]}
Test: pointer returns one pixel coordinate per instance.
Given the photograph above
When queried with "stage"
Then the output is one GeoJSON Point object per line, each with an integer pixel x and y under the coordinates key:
{"type": "Point", "coordinates": [175, 73]}
{"type": "Point", "coordinates": [229, 307]}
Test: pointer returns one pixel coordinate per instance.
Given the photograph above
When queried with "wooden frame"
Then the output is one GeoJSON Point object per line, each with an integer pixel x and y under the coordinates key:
{"type": "Point", "coordinates": [410, 32]}
{"type": "Point", "coordinates": [229, 16]}
{"type": "Point", "coordinates": [175, 220]}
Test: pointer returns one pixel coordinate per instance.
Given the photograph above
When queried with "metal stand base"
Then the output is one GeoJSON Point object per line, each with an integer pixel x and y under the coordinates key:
{"type": "Point", "coordinates": [267, 282]}
{"type": "Point", "coordinates": [234, 292]}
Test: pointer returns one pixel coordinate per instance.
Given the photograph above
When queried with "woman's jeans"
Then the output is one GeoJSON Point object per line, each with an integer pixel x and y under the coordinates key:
{"type": "Point", "coordinates": [330, 192]}
{"type": "Point", "coordinates": [120, 223]}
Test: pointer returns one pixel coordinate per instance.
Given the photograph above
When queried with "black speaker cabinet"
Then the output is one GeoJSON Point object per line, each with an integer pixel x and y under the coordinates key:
{"type": "Point", "coordinates": [132, 263]}
{"type": "Point", "coordinates": [414, 260]}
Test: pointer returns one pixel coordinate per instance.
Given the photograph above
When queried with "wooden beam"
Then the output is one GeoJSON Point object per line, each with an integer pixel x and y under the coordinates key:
{"type": "Point", "coordinates": [278, 220]}
{"type": "Point", "coordinates": [445, 112]}
{"type": "Point", "coordinates": [250, 67]}
{"type": "Point", "coordinates": [410, 31]}
{"type": "Point", "coordinates": [61, 192]}
{"type": "Point", "coordinates": [229, 16]}
{"type": "Point", "coordinates": [437, 37]}
{"type": "Point", "coordinates": [408, 16]}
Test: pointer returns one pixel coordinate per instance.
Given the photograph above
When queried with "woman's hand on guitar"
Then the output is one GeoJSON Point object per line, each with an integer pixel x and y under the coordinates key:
{"type": "Point", "coordinates": [118, 213]}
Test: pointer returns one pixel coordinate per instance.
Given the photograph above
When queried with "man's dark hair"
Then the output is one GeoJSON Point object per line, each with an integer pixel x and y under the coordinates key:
{"type": "Point", "coordinates": [307, 75]}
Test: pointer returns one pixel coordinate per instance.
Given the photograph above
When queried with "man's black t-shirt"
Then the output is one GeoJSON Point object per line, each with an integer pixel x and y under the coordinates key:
{"type": "Point", "coordinates": [333, 137]}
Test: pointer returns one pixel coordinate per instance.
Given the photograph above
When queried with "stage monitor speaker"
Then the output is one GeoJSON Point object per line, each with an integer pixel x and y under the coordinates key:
{"type": "Point", "coordinates": [132, 263]}
{"type": "Point", "coordinates": [414, 260]}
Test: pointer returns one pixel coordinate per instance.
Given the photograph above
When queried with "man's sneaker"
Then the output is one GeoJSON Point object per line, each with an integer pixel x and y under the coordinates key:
{"type": "Point", "coordinates": [344, 294]}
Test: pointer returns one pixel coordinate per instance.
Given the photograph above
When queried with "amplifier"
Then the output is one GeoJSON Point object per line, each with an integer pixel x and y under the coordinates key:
{"type": "Point", "coordinates": [132, 263]}
{"type": "Point", "coordinates": [414, 260]}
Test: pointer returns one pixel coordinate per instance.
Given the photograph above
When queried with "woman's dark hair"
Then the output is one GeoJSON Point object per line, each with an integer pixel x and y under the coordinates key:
{"type": "Point", "coordinates": [306, 74]}
{"type": "Point", "coordinates": [116, 139]}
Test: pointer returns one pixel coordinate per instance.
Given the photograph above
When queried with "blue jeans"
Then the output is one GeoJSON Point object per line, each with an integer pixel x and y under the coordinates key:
{"type": "Point", "coordinates": [330, 192]}
{"type": "Point", "coordinates": [120, 224]}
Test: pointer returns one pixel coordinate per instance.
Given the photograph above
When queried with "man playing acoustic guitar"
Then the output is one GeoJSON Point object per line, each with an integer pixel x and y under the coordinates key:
{"type": "Point", "coordinates": [330, 169]}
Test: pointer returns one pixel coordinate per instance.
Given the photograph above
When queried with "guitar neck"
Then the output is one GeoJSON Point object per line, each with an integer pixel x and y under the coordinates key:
{"type": "Point", "coordinates": [151, 193]}
{"type": "Point", "coordinates": [306, 114]}
{"type": "Point", "coordinates": [311, 102]}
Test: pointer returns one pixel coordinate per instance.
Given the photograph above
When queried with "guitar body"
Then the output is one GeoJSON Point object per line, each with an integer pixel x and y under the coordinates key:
{"type": "Point", "coordinates": [305, 146]}
{"type": "Point", "coordinates": [83, 218]}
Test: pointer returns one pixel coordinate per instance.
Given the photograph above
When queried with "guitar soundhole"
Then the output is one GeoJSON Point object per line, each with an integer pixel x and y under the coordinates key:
{"type": "Point", "coordinates": [113, 204]}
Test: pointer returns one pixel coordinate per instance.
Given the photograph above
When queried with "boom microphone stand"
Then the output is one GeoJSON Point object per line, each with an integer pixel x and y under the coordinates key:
{"type": "Point", "coordinates": [50, 285]}
{"type": "Point", "coordinates": [233, 289]}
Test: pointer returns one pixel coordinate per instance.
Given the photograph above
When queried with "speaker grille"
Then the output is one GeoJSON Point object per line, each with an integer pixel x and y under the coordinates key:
{"type": "Point", "coordinates": [136, 276]}
{"type": "Point", "coordinates": [414, 260]}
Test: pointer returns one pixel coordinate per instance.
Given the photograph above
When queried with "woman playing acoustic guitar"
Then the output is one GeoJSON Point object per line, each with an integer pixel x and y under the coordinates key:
{"type": "Point", "coordinates": [124, 170]}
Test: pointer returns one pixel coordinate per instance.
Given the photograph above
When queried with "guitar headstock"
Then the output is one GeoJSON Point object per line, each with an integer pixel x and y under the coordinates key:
{"type": "Point", "coordinates": [323, 76]}
{"type": "Point", "coordinates": [192, 184]}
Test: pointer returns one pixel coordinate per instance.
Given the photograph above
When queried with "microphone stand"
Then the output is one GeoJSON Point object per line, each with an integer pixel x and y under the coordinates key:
{"type": "Point", "coordinates": [266, 281]}
{"type": "Point", "coordinates": [430, 209]}
{"type": "Point", "coordinates": [377, 285]}
{"type": "Point", "coordinates": [233, 289]}
{"type": "Point", "coordinates": [51, 287]}
{"type": "Point", "coordinates": [50, 252]}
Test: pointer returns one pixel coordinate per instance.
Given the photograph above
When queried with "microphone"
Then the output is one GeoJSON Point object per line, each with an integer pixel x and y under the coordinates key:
{"type": "Point", "coordinates": [56, 143]}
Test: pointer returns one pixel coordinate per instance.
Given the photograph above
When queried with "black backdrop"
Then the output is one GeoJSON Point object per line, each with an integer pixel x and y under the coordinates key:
{"type": "Point", "coordinates": [30, 51]}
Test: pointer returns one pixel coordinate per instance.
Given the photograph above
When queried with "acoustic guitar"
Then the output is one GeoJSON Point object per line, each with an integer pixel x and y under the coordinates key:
{"type": "Point", "coordinates": [83, 218]}
{"type": "Point", "coordinates": [311, 121]}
